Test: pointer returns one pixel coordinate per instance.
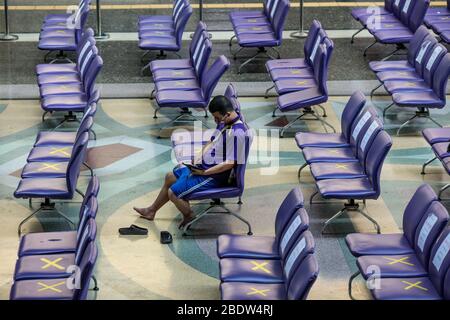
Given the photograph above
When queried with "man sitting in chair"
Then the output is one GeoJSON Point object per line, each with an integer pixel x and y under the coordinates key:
{"type": "Point", "coordinates": [212, 167]}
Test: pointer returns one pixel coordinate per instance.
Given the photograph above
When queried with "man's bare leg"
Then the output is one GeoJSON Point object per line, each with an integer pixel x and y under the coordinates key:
{"type": "Point", "coordinates": [162, 198]}
{"type": "Point", "coordinates": [184, 207]}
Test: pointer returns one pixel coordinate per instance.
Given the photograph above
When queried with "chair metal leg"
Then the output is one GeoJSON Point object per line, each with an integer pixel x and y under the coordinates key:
{"type": "Point", "coordinates": [350, 282]}
{"type": "Point", "coordinates": [307, 111]}
{"type": "Point", "coordinates": [65, 218]}
{"type": "Point", "coordinates": [442, 190]}
{"type": "Point", "coordinates": [230, 43]}
{"type": "Point", "coordinates": [43, 116]}
{"type": "Point", "coordinates": [234, 54]}
{"type": "Point", "coordinates": [239, 217]}
{"type": "Point", "coordinates": [274, 111]}
{"type": "Point", "coordinates": [79, 192]}
{"type": "Point", "coordinates": [353, 36]}
{"type": "Point", "coordinates": [248, 61]}
{"type": "Point", "coordinates": [144, 55]}
{"type": "Point", "coordinates": [19, 229]}
{"type": "Point", "coordinates": [300, 170]}
{"type": "Point", "coordinates": [152, 95]}
{"type": "Point", "coordinates": [334, 217]}
{"type": "Point", "coordinates": [387, 108]}
{"type": "Point", "coordinates": [93, 134]}
{"type": "Point", "coordinates": [30, 203]}
{"type": "Point", "coordinates": [324, 115]}
{"type": "Point", "coordinates": [277, 53]}
{"type": "Point", "coordinates": [426, 164]}
{"type": "Point", "coordinates": [89, 168]}
{"type": "Point", "coordinates": [370, 46]}
{"type": "Point", "coordinates": [311, 198]}
{"type": "Point", "coordinates": [375, 223]}
{"type": "Point", "coordinates": [290, 124]}
{"type": "Point", "coordinates": [95, 283]}
{"type": "Point", "coordinates": [421, 113]}
{"type": "Point", "coordinates": [375, 89]}
{"type": "Point", "coordinates": [266, 95]}
{"type": "Point", "coordinates": [399, 48]}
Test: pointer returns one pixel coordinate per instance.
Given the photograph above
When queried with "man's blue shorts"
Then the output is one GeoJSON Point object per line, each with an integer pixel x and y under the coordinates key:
{"type": "Point", "coordinates": [187, 183]}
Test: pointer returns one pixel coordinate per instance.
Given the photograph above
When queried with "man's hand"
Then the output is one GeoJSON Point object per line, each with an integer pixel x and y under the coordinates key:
{"type": "Point", "coordinates": [197, 172]}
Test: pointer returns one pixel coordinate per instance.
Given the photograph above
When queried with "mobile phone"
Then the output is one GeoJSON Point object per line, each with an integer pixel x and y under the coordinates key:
{"type": "Point", "coordinates": [190, 166]}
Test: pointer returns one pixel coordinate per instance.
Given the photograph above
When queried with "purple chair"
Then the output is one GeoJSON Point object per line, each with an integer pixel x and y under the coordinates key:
{"type": "Point", "coordinates": [58, 289]}
{"type": "Point", "coordinates": [54, 188]}
{"type": "Point", "coordinates": [261, 33]}
{"type": "Point", "coordinates": [193, 98]}
{"type": "Point", "coordinates": [304, 100]}
{"type": "Point", "coordinates": [155, 36]}
{"type": "Point", "coordinates": [234, 190]}
{"type": "Point", "coordinates": [296, 286]}
{"type": "Point", "coordinates": [364, 188]}
{"type": "Point", "coordinates": [438, 19]}
{"type": "Point", "coordinates": [66, 38]}
{"type": "Point", "coordinates": [62, 17]}
{"type": "Point", "coordinates": [291, 218]}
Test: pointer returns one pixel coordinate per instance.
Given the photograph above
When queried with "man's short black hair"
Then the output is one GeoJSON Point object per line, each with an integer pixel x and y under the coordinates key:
{"type": "Point", "coordinates": [220, 104]}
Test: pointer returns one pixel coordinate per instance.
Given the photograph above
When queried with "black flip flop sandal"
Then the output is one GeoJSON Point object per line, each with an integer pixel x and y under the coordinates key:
{"type": "Point", "coordinates": [133, 230]}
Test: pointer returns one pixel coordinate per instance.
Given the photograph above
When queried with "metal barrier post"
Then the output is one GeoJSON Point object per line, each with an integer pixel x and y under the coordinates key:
{"type": "Point", "coordinates": [301, 33]}
{"type": "Point", "coordinates": [100, 35]}
{"type": "Point", "coordinates": [7, 36]}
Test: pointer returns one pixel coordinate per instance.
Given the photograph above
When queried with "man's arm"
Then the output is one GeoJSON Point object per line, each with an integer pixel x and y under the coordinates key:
{"type": "Point", "coordinates": [218, 168]}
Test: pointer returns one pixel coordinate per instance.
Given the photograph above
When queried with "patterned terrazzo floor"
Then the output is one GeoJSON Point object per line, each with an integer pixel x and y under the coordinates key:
{"type": "Point", "coordinates": [131, 162]}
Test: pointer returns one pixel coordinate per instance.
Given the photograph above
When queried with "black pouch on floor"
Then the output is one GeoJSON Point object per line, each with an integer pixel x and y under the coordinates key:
{"type": "Point", "coordinates": [166, 237]}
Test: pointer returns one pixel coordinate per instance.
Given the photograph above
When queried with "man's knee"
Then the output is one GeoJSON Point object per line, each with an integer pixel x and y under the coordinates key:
{"type": "Point", "coordinates": [172, 195]}
{"type": "Point", "coordinates": [170, 178]}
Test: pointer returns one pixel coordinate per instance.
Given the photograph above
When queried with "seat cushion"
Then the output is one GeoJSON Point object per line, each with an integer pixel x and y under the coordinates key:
{"type": "Point", "coordinates": [391, 266]}
{"type": "Point", "coordinates": [156, 26]}
{"type": "Point", "coordinates": [247, 14]}
{"type": "Point", "coordinates": [418, 99]}
{"type": "Point", "coordinates": [43, 266]}
{"type": "Point", "coordinates": [45, 170]}
{"type": "Point", "coordinates": [60, 89]}
{"type": "Point", "coordinates": [159, 43]}
{"type": "Point", "coordinates": [62, 43]}
{"type": "Point", "coordinates": [75, 103]}
{"type": "Point", "coordinates": [251, 270]}
{"type": "Point", "coordinates": [48, 243]}
{"type": "Point", "coordinates": [445, 36]}
{"type": "Point", "coordinates": [380, 66]}
{"type": "Point", "coordinates": [237, 21]}
{"type": "Point", "coordinates": [252, 291]}
{"type": "Point", "coordinates": [287, 63]}
{"type": "Point", "coordinates": [435, 135]}
{"type": "Point", "coordinates": [56, 138]}
{"type": "Point", "coordinates": [398, 75]}
{"type": "Point", "coordinates": [150, 34]}
{"type": "Point", "coordinates": [312, 154]}
{"type": "Point", "coordinates": [260, 29]}
{"type": "Point", "coordinates": [361, 244]}
{"type": "Point", "coordinates": [357, 13]}
{"type": "Point", "coordinates": [291, 73]}
{"type": "Point", "coordinates": [405, 289]}
{"type": "Point", "coordinates": [54, 188]}
{"type": "Point", "coordinates": [301, 99]}
{"type": "Point", "coordinates": [440, 149]}
{"type": "Point", "coordinates": [72, 78]}
{"type": "Point", "coordinates": [171, 64]}
{"type": "Point", "coordinates": [284, 86]}
{"type": "Point", "coordinates": [394, 36]}
{"type": "Point", "coordinates": [50, 153]}
{"type": "Point", "coordinates": [385, 18]}
{"type": "Point", "coordinates": [41, 289]}
{"type": "Point", "coordinates": [57, 33]}
{"type": "Point", "coordinates": [351, 170]}
{"type": "Point", "coordinates": [188, 84]}
{"type": "Point", "coordinates": [258, 40]}
{"type": "Point", "coordinates": [239, 246]}
{"type": "Point", "coordinates": [56, 68]}
{"type": "Point", "coordinates": [180, 98]}
{"type": "Point", "coordinates": [321, 140]}
{"type": "Point", "coordinates": [360, 188]}
{"type": "Point", "coordinates": [403, 86]}
{"type": "Point", "coordinates": [169, 75]}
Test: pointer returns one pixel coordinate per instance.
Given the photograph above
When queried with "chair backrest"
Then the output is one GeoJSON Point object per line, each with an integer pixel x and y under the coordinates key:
{"type": "Point", "coordinates": [329, 46]}
{"type": "Point", "coordinates": [417, 13]}
{"type": "Point", "coordinates": [388, 5]}
{"type": "Point", "coordinates": [89, 211]}
{"type": "Point", "coordinates": [178, 5]}
{"type": "Point", "coordinates": [320, 71]}
{"type": "Point", "coordinates": [85, 125]}
{"type": "Point", "coordinates": [423, 52]}
{"type": "Point", "coordinates": [94, 69]}
{"type": "Point", "coordinates": [88, 234]}
{"type": "Point", "coordinates": [303, 278]}
{"type": "Point", "coordinates": [181, 21]}
{"type": "Point", "coordinates": [80, 20]}
{"type": "Point", "coordinates": [293, 201]}
{"type": "Point", "coordinates": [397, 6]}
{"type": "Point", "coordinates": [312, 40]}
{"type": "Point", "coordinates": [440, 78]}
{"type": "Point", "coordinates": [446, 286]}
{"type": "Point", "coordinates": [269, 5]}
{"type": "Point", "coordinates": [416, 41]}
{"type": "Point", "coordinates": [406, 11]}
{"type": "Point", "coordinates": [94, 97]}
{"type": "Point", "coordinates": [366, 139]}
{"type": "Point", "coordinates": [432, 61]}
{"type": "Point", "coordinates": [88, 33]}
{"type": "Point", "coordinates": [360, 124]}
{"type": "Point", "coordinates": [279, 18]}
{"type": "Point", "coordinates": [200, 60]}
{"type": "Point", "coordinates": [76, 158]}
{"type": "Point", "coordinates": [375, 160]}
{"type": "Point", "coordinates": [298, 223]}
{"type": "Point", "coordinates": [196, 38]}
{"type": "Point", "coordinates": [86, 268]}
{"type": "Point", "coordinates": [91, 110]}
{"type": "Point", "coordinates": [85, 52]}
{"type": "Point", "coordinates": [231, 94]}
{"type": "Point", "coordinates": [415, 210]}
{"type": "Point", "coordinates": [92, 190]}
{"type": "Point", "coordinates": [440, 262]}
{"type": "Point", "coordinates": [431, 225]}
{"type": "Point", "coordinates": [351, 110]}
{"type": "Point", "coordinates": [242, 157]}
{"type": "Point", "coordinates": [89, 56]}
{"type": "Point", "coordinates": [303, 246]}
{"type": "Point", "coordinates": [213, 75]}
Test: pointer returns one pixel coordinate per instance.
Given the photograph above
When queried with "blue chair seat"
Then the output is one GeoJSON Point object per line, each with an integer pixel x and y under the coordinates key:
{"type": "Point", "coordinates": [64, 43]}
{"type": "Point", "coordinates": [180, 98]}
{"type": "Point", "coordinates": [350, 170]}
{"type": "Point", "coordinates": [45, 170]}
{"type": "Point", "coordinates": [294, 85]}
{"type": "Point", "coordinates": [398, 75]}
{"type": "Point", "coordinates": [42, 187]}
{"type": "Point", "coordinates": [329, 155]}
{"type": "Point", "coordinates": [76, 103]}
{"type": "Point", "coordinates": [149, 34]}
{"type": "Point", "coordinates": [391, 26]}
{"type": "Point", "coordinates": [320, 140]}
{"type": "Point", "coordinates": [403, 86]}
{"type": "Point", "coordinates": [239, 246]}
{"type": "Point", "coordinates": [170, 64]}
{"type": "Point", "coordinates": [156, 26]}
{"type": "Point", "coordinates": [50, 153]}
{"type": "Point", "coordinates": [392, 266]}
{"type": "Point", "coordinates": [436, 135]}
{"type": "Point", "coordinates": [291, 73]}
{"type": "Point", "coordinates": [404, 289]}
{"type": "Point", "coordinates": [240, 30]}
{"type": "Point", "coordinates": [72, 78]}
{"type": "Point", "coordinates": [168, 75]}
{"type": "Point", "coordinates": [424, 99]}
{"type": "Point", "coordinates": [169, 44]}
{"type": "Point", "coordinates": [56, 138]}
{"type": "Point", "coordinates": [43, 266]}
{"type": "Point", "coordinates": [380, 66]}
{"type": "Point", "coordinates": [56, 68]}
{"type": "Point", "coordinates": [361, 244]}
{"type": "Point", "coordinates": [397, 36]}
{"type": "Point", "coordinates": [445, 36]}
{"type": "Point", "coordinates": [48, 243]}
{"type": "Point", "coordinates": [249, 270]}
{"type": "Point", "coordinates": [225, 192]}
{"type": "Point", "coordinates": [61, 89]}
{"type": "Point", "coordinates": [301, 99]}
{"type": "Point", "coordinates": [252, 291]}
{"type": "Point", "coordinates": [386, 18]}
{"type": "Point", "coordinates": [258, 40]}
{"type": "Point", "coordinates": [440, 149]}
{"type": "Point", "coordinates": [53, 25]}
{"type": "Point", "coordinates": [188, 84]}
{"type": "Point", "coordinates": [58, 33]}
{"type": "Point", "coordinates": [287, 63]}
{"type": "Point", "coordinates": [41, 289]}
{"type": "Point", "coordinates": [346, 188]}
{"type": "Point", "coordinates": [240, 21]}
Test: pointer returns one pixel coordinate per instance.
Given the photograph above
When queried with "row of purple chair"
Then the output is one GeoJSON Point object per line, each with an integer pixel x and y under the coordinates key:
{"type": "Point", "coordinates": [414, 265]}
{"type": "Point", "coordinates": [302, 83]}
{"type": "Point", "coordinates": [438, 19]}
{"type": "Point", "coordinates": [53, 167]}
{"type": "Point", "coordinates": [420, 82]}
{"type": "Point", "coordinates": [348, 166]}
{"type": "Point", "coordinates": [62, 32]}
{"type": "Point", "coordinates": [395, 24]}
{"type": "Point", "coordinates": [439, 140]}
{"type": "Point", "coordinates": [59, 265]}
{"type": "Point", "coordinates": [271, 268]}
{"type": "Point", "coordinates": [164, 33]}
{"type": "Point", "coordinates": [70, 88]}
{"type": "Point", "coordinates": [259, 29]}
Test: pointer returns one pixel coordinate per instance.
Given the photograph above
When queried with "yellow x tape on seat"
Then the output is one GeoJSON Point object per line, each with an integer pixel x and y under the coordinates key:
{"type": "Point", "coordinates": [52, 263]}
{"type": "Point", "coordinates": [401, 260]}
{"type": "Point", "coordinates": [254, 291]}
{"type": "Point", "coordinates": [52, 287]}
{"type": "Point", "coordinates": [54, 166]}
{"type": "Point", "coordinates": [260, 266]}
{"type": "Point", "coordinates": [60, 150]}
{"type": "Point", "coordinates": [414, 285]}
